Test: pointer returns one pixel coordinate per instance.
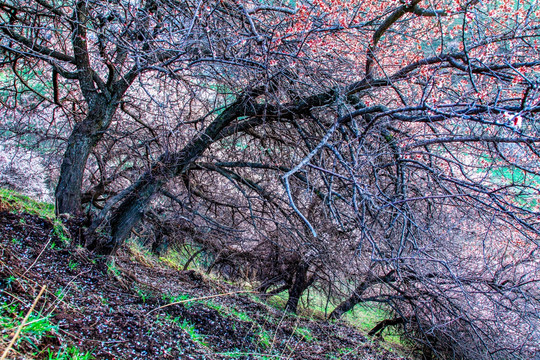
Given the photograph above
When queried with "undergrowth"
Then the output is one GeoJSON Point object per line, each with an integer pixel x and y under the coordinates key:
{"type": "Point", "coordinates": [263, 333]}
{"type": "Point", "coordinates": [188, 256]}
{"type": "Point", "coordinates": [13, 201]}
{"type": "Point", "coordinates": [69, 353]}
{"type": "Point", "coordinates": [31, 330]}
{"type": "Point", "coordinates": [313, 306]}
{"type": "Point", "coordinates": [36, 327]}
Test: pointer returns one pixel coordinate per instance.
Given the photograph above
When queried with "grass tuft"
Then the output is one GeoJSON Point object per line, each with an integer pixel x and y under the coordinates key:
{"type": "Point", "coordinates": [69, 353]}
{"type": "Point", "coordinates": [193, 333]}
{"type": "Point", "coordinates": [13, 201]}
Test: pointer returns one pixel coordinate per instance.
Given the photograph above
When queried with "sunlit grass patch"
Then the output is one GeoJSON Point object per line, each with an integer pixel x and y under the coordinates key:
{"type": "Point", "coordinates": [187, 256]}
{"type": "Point", "coordinates": [13, 201]}
{"type": "Point", "coordinates": [304, 333]}
{"type": "Point", "coordinates": [190, 329]}
{"type": "Point", "coordinates": [312, 305]}
{"type": "Point", "coordinates": [228, 311]}
{"type": "Point", "coordinates": [278, 301]}
{"type": "Point", "coordinates": [265, 339]}
{"type": "Point", "coordinates": [366, 316]}
{"type": "Point", "coordinates": [140, 254]}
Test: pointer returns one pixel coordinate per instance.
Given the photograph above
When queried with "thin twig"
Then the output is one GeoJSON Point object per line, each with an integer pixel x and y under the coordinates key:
{"type": "Point", "coordinates": [197, 299]}
{"type": "Point", "coordinates": [41, 253]}
{"type": "Point", "coordinates": [4, 355]}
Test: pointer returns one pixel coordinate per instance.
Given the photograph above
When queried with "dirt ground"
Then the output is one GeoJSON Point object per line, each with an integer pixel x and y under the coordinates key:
{"type": "Point", "coordinates": [120, 308]}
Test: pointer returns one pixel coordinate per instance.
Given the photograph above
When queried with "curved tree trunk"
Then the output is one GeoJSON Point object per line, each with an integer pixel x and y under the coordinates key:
{"type": "Point", "coordinates": [127, 214]}
{"type": "Point", "coordinates": [300, 284]}
{"type": "Point", "coordinates": [356, 296]}
{"type": "Point", "coordinates": [353, 300]}
{"type": "Point", "coordinates": [379, 328]}
{"type": "Point", "coordinates": [85, 135]}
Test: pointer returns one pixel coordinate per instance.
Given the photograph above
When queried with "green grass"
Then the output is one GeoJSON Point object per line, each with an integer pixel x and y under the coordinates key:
{"type": "Point", "coordinates": [522, 185]}
{"type": "Point", "coordinates": [136, 248]}
{"type": "Point", "coordinates": [240, 315]}
{"type": "Point", "coordinates": [228, 311]}
{"type": "Point", "coordinates": [339, 355]}
{"type": "Point", "coordinates": [143, 294]}
{"type": "Point", "coordinates": [525, 193]}
{"type": "Point", "coordinates": [18, 203]}
{"type": "Point", "coordinates": [304, 333]}
{"type": "Point", "coordinates": [72, 265]}
{"type": "Point", "coordinates": [265, 339]}
{"type": "Point", "coordinates": [313, 305]}
{"type": "Point", "coordinates": [185, 325]}
{"type": "Point", "coordinates": [366, 317]}
{"type": "Point", "coordinates": [278, 301]}
{"type": "Point", "coordinates": [34, 330]}
{"type": "Point", "coordinates": [184, 298]}
{"type": "Point", "coordinates": [177, 258]}
{"type": "Point", "coordinates": [32, 78]}
{"type": "Point", "coordinates": [69, 353]}
{"type": "Point", "coordinates": [188, 301]}
{"type": "Point", "coordinates": [241, 354]}
{"type": "Point", "coordinates": [13, 200]}
{"type": "Point", "coordinates": [113, 269]}
{"type": "Point", "coordinates": [173, 259]}
{"type": "Point", "coordinates": [192, 332]}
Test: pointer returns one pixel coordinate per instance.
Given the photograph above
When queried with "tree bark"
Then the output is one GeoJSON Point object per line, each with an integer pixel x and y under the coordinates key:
{"type": "Point", "coordinates": [127, 214]}
{"type": "Point", "coordinates": [85, 135]}
{"type": "Point", "coordinates": [300, 284]}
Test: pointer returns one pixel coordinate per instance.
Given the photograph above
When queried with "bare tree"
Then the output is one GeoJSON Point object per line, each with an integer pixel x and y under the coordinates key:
{"type": "Point", "coordinates": [99, 49]}
{"type": "Point", "coordinates": [393, 145]}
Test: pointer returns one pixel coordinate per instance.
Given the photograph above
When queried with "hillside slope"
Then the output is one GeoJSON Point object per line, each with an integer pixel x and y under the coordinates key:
{"type": "Point", "coordinates": [135, 307]}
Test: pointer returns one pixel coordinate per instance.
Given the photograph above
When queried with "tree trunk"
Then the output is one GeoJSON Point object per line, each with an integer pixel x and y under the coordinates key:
{"type": "Point", "coordinates": [300, 284]}
{"type": "Point", "coordinates": [267, 284]}
{"type": "Point", "coordinates": [127, 214]}
{"type": "Point", "coordinates": [379, 328]}
{"type": "Point", "coordinates": [83, 138]}
{"type": "Point", "coordinates": [352, 301]}
{"type": "Point", "coordinates": [68, 190]}
{"type": "Point", "coordinates": [356, 297]}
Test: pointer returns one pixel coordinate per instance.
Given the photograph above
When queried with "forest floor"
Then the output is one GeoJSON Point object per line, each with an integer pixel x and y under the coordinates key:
{"type": "Point", "coordinates": [75, 305]}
